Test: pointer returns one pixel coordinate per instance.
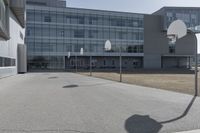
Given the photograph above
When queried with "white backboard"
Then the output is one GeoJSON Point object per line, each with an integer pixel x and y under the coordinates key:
{"type": "Point", "coordinates": [177, 28]}
{"type": "Point", "coordinates": [107, 45]}
{"type": "Point", "coordinates": [81, 51]}
{"type": "Point", "coordinates": [69, 54]}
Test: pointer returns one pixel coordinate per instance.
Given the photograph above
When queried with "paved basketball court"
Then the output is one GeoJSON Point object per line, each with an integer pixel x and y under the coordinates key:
{"type": "Point", "coordinates": [72, 103]}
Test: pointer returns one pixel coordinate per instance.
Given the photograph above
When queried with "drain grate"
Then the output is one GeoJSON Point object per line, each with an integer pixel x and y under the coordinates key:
{"type": "Point", "coordinates": [70, 86]}
{"type": "Point", "coordinates": [52, 77]}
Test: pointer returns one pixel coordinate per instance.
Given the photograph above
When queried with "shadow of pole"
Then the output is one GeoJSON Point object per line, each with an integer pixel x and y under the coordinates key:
{"type": "Point", "coordinates": [145, 124]}
{"type": "Point", "coordinates": [183, 114]}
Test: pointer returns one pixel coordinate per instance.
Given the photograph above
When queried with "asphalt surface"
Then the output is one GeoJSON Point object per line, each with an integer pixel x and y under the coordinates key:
{"type": "Point", "coordinates": [72, 103]}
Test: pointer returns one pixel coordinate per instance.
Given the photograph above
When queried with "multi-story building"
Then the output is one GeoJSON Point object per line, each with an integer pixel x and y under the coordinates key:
{"type": "Point", "coordinates": [12, 23]}
{"type": "Point", "coordinates": [53, 30]}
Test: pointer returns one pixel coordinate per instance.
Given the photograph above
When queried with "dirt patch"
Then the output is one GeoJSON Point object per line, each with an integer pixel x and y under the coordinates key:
{"type": "Point", "coordinates": [172, 80]}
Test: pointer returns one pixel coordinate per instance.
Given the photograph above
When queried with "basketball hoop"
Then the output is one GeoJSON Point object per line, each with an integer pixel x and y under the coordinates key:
{"type": "Point", "coordinates": [172, 39]}
{"type": "Point", "coordinates": [107, 46]}
{"type": "Point", "coordinates": [175, 31]}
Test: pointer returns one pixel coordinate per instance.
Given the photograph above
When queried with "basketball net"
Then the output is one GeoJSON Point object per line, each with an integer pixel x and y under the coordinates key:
{"type": "Point", "coordinates": [172, 39]}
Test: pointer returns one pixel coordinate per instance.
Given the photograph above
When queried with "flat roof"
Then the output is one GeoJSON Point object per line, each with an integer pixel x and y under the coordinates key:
{"type": "Point", "coordinates": [177, 8]}
{"type": "Point", "coordinates": [93, 10]}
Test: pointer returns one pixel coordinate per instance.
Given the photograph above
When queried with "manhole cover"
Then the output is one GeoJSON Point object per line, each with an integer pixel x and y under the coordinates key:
{"type": "Point", "coordinates": [52, 77]}
{"type": "Point", "coordinates": [70, 86]}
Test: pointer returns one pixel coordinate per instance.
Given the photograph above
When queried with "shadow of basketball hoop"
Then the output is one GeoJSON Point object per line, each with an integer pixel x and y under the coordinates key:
{"type": "Point", "coordinates": [142, 124]}
{"type": "Point", "coordinates": [145, 124]}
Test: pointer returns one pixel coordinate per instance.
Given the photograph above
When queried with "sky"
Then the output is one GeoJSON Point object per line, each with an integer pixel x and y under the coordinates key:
{"type": "Point", "coordinates": [134, 6]}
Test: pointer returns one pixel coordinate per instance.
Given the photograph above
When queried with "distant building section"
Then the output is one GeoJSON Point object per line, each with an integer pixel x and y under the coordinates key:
{"type": "Point", "coordinates": [49, 3]}
{"type": "Point", "coordinates": [12, 34]}
{"type": "Point", "coordinates": [190, 15]}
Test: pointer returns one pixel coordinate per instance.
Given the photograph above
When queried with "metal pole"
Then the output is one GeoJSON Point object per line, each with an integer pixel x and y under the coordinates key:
{"type": "Point", "coordinates": [64, 63]}
{"type": "Point", "coordinates": [120, 64]}
{"type": "Point", "coordinates": [76, 64]}
{"type": "Point", "coordinates": [90, 65]}
{"type": "Point", "coordinates": [196, 66]}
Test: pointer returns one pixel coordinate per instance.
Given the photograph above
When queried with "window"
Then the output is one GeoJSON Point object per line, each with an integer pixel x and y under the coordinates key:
{"type": "Point", "coordinates": [183, 16]}
{"type": "Point", "coordinates": [170, 16]}
{"type": "Point", "coordinates": [93, 20]}
{"type": "Point", "coordinates": [1, 61]}
{"type": "Point", "coordinates": [79, 33]}
{"type": "Point", "coordinates": [7, 62]}
{"type": "Point", "coordinates": [28, 32]}
{"type": "Point", "coordinates": [62, 33]}
{"type": "Point", "coordinates": [134, 36]}
{"type": "Point", "coordinates": [74, 19]}
{"type": "Point", "coordinates": [47, 19]}
{"type": "Point", "coordinates": [116, 22]}
{"type": "Point", "coordinates": [141, 36]}
{"type": "Point", "coordinates": [113, 62]}
{"type": "Point", "coordinates": [172, 49]}
{"type": "Point", "coordinates": [81, 20]}
{"type": "Point", "coordinates": [104, 62]}
{"type": "Point", "coordinates": [140, 23]}
{"type": "Point", "coordinates": [67, 19]}
{"type": "Point", "coordinates": [193, 19]}
{"type": "Point", "coordinates": [121, 35]}
{"type": "Point", "coordinates": [135, 49]}
{"type": "Point", "coordinates": [93, 34]}
{"type": "Point", "coordinates": [135, 24]}
{"type": "Point", "coordinates": [129, 23]}
{"type": "Point", "coordinates": [141, 49]}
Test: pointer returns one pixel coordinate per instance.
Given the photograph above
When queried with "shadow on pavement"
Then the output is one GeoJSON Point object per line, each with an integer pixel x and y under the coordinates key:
{"type": "Point", "coordinates": [145, 124]}
{"type": "Point", "coordinates": [142, 124]}
{"type": "Point", "coordinates": [183, 114]}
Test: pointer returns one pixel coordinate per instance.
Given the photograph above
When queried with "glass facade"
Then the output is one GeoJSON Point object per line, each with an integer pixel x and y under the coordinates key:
{"type": "Point", "coordinates": [52, 33]}
{"type": "Point", "coordinates": [191, 17]}
{"type": "Point", "coordinates": [7, 62]}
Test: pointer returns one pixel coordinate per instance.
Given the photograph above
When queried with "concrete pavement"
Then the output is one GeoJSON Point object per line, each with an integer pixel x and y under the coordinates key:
{"type": "Point", "coordinates": [71, 103]}
{"type": "Point", "coordinates": [192, 131]}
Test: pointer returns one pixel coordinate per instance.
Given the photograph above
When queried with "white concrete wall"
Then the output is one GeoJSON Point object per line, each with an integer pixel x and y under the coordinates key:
{"type": "Point", "coordinates": [9, 48]}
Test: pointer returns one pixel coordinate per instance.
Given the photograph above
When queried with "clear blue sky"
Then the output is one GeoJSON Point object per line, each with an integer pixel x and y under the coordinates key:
{"type": "Point", "coordinates": [135, 6]}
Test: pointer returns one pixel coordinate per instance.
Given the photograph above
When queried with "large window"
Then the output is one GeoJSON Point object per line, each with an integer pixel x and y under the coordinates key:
{"type": "Point", "coordinates": [93, 34]}
{"type": "Point", "coordinates": [7, 62]}
{"type": "Point", "coordinates": [135, 49]}
{"type": "Point", "coordinates": [45, 62]}
{"type": "Point", "coordinates": [172, 49]}
{"type": "Point", "coordinates": [93, 20]}
{"type": "Point", "coordinates": [79, 33]}
{"type": "Point", "coordinates": [81, 20]}
{"type": "Point", "coordinates": [71, 31]}
{"type": "Point", "coordinates": [47, 19]}
{"type": "Point", "coordinates": [170, 16]}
